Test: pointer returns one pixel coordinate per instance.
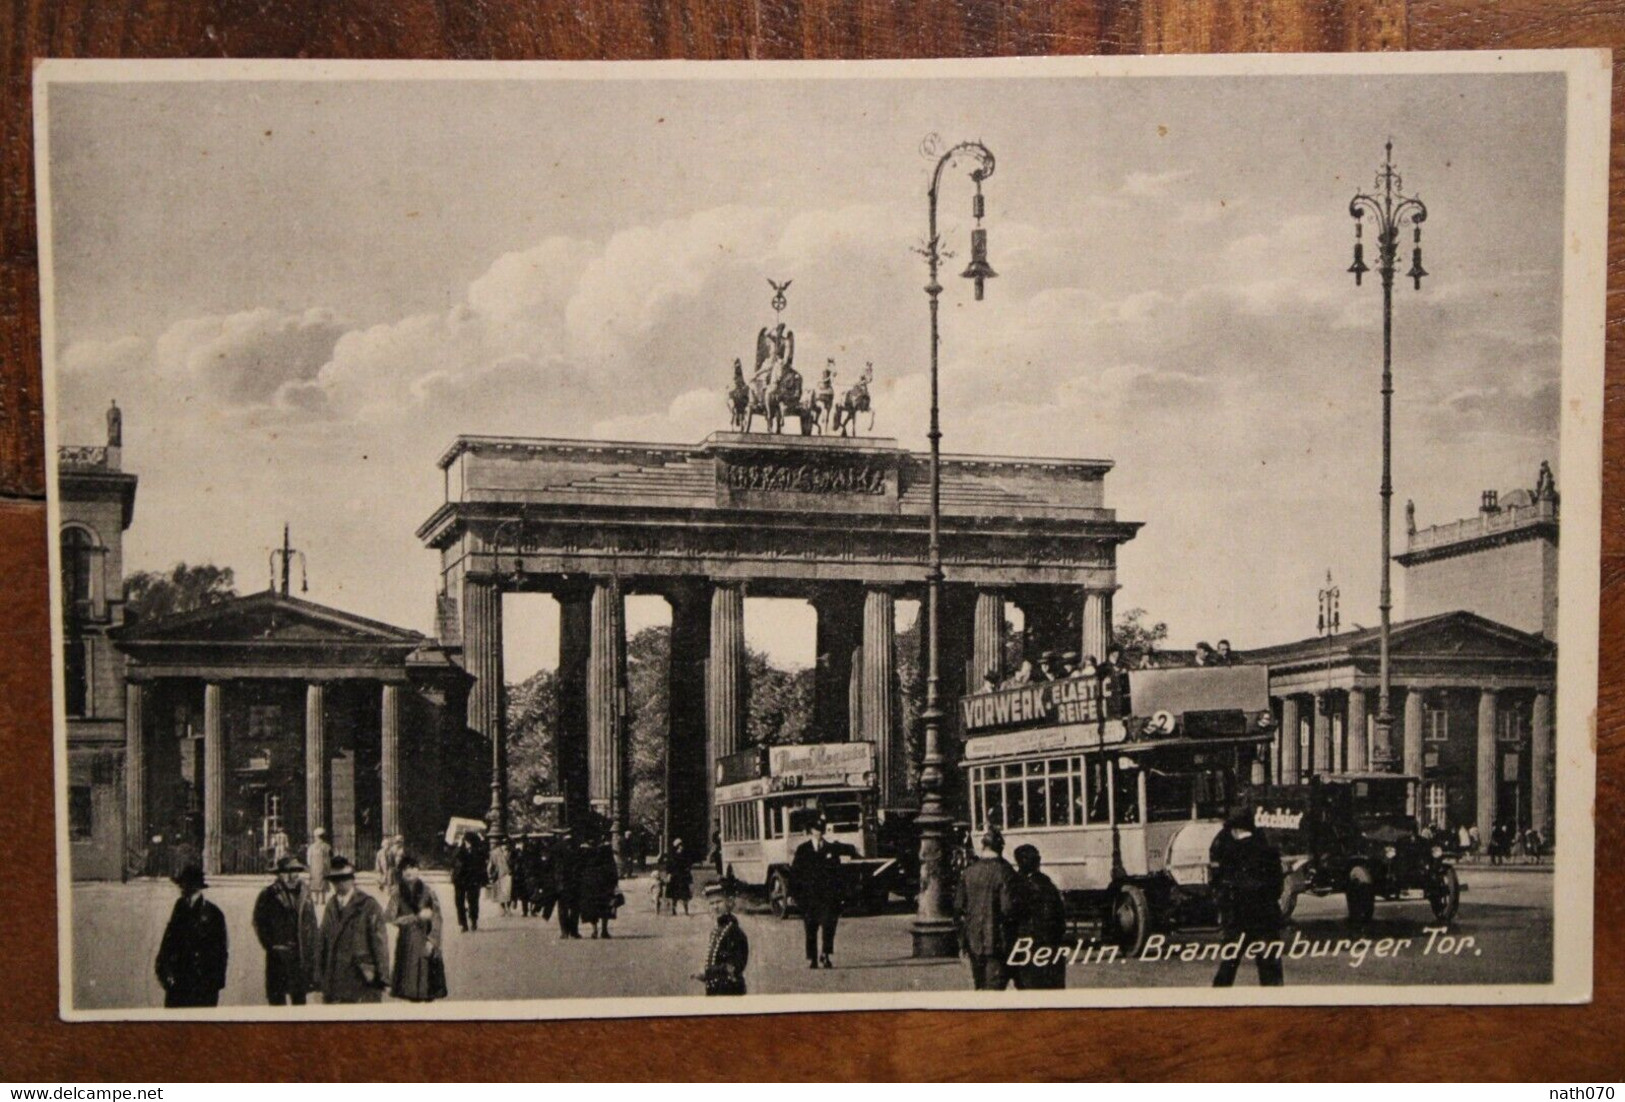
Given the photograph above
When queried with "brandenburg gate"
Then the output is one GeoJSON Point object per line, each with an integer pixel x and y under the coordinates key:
{"type": "Point", "coordinates": [840, 522]}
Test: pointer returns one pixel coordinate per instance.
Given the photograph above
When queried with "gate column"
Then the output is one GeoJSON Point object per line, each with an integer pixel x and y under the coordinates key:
{"type": "Point", "coordinates": [725, 678]}
{"type": "Point", "coordinates": [606, 678]}
{"type": "Point", "coordinates": [1291, 767]}
{"type": "Point", "coordinates": [879, 680]}
{"type": "Point", "coordinates": [987, 642]}
{"type": "Point", "coordinates": [482, 658]}
{"type": "Point", "coordinates": [1540, 768]}
{"type": "Point", "coordinates": [687, 780]}
{"type": "Point", "coordinates": [575, 634]}
{"type": "Point", "coordinates": [1359, 744]}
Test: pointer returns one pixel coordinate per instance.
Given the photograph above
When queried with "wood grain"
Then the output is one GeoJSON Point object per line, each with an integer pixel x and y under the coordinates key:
{"type": "Point", "coordinates": [1551, 1043]}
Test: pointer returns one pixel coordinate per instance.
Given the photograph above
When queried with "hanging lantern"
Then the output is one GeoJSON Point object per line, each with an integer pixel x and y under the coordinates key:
{"type": "Point", "coordinates": [978, 268]}
{"type": "Point", "coordinates": [1358, 268]}
{"type": "Point", "coordinates": [1417, 271]}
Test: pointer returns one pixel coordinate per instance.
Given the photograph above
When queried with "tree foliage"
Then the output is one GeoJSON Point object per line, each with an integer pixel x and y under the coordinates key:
{"type": "Point", "coordinates": [780, 711]}
{"type": "Point", "coordinates": [533, 710]}
{"type": "Point", "coordinates": [1135, 631]}
{"type": "Point", "coordinates": [152, 593]}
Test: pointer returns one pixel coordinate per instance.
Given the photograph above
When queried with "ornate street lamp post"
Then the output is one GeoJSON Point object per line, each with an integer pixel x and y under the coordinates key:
{"type": "Point", "coordinates": [1390, 211]}
{"type": "Point", "coordinates": [934, 931]}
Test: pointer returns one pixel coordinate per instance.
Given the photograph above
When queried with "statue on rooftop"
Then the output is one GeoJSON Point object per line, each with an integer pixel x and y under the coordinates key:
{"type": "Point", "coordinates": [854, 402]}
{"type": "Point", "coordinates": [115, 426]}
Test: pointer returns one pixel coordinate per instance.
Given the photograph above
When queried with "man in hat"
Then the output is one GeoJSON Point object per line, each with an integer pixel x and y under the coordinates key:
{"type": "Point", "coordinates": [192, 956]}
{"type": "Point", "coordinates": [729, 950]}
{"type": "Point", "coordinates": [1247, 881]}
{"type": "Point", "coordinates": [1041, 919]}
{"type": "Point", "coordinates": [355, 949]}
{"type": "Point", "coordinates": [817, 885]}
{"type": "Point", "coordinates": [318, 859]}
{"type": "Point", "coordinates": [988, 901]}
{"type": "Point", "coordinates": [285, 923]}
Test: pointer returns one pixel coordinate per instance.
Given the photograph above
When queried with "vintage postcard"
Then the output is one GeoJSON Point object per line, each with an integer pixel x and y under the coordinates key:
{"type": "Point", "coordinates": [565, 540]}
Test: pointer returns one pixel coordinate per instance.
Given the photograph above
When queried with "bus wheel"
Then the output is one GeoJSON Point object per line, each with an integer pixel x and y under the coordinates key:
{"type": "Point", "coordinates": [1362, 895]}
{"type": "Point", "coordinates": [1130, 918]}
{"type": "Point", "coordinates": [778, 895]}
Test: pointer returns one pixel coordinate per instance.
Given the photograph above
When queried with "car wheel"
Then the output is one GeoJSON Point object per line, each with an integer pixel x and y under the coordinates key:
{"type": "Point", "coordinates": [1130, 919]}
{"type": "Point", "coordinates": [1362, 895]}
{"type": "Point", "coordinates": [1445, 895]}
{"type": "Point", "coordinates": [1289, 897]}
{"type": "Point", "coordinates": [778, 895]}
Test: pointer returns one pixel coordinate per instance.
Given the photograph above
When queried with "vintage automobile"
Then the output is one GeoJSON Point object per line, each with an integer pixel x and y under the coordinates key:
{"type": "Point", "coordinates": [766, 797]}
{"type": "Point", "coordinates": [1355, 834]}
{"type": "Point", "coordinates": [1121, 784]}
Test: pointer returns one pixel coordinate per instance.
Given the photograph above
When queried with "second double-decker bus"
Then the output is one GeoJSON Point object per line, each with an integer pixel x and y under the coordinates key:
{"type": "Point", "coordinates": [768, 796]}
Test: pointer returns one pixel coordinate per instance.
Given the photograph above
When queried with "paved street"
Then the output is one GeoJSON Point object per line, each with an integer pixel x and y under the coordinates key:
{"type": "Point", "coordinates": [117, 928]}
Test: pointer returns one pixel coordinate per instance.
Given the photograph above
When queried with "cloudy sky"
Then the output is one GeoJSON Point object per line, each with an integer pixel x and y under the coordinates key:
{"type": "Point", "coordinates": [300, 293]}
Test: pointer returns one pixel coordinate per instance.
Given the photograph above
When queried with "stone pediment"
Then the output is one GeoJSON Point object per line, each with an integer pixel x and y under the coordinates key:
{"type": "Point", "coordinates": [268, 617]}
{"type": "Point", "coordinates": [1448, 635]}
{"type": "Point", "coordinates": [1459, 633]}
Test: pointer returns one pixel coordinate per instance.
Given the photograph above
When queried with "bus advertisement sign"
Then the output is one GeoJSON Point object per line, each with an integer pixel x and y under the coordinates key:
{"type": "Point", "coordinates": [1073, 700]}
{"type": "Point", "coordinates": [849, 763]}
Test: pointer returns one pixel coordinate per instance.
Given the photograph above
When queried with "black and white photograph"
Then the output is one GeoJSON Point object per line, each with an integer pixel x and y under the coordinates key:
{"type": "Point", "coordinates": [564, 540]}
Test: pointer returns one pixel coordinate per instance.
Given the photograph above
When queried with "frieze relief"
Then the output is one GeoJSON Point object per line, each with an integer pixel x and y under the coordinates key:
{"type": "Point", "coordinates": [806, 478]}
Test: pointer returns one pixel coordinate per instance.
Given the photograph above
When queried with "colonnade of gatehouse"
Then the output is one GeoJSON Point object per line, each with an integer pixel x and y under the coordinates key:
{"type": "Point", "coordinates": [856, 689]}
{"type": "Point", "coordinates": [704, 527]}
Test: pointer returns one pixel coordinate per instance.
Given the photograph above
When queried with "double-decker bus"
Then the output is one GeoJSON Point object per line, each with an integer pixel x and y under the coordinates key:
{"type": "Point", "coordinates": [1121, 783]}
{"type": "Point", "coordinates": [768, 796]}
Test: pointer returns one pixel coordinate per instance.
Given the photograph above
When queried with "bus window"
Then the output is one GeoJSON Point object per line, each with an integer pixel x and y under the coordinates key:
{"type": "Point", "coordinates": [843, 814]}
{"type": "Point", "coordinates": [993, 797]}
{"type": "Point", "coordinates": [1126, 795]}
{"type": "Point", "coordinates": [1097, 791]}
{"type": "Point", "coordinates": [1015, 803]}
{"type": "Point", "coordinates": [1170, 795]}
{"type": "Point", "coordinates": [1037, 802]}
{"type": "Point", "coordinates": [1060, 793]}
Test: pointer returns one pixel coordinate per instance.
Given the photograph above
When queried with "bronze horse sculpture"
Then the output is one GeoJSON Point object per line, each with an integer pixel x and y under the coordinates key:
{"type": "Point", "coordinates": [854, 402]}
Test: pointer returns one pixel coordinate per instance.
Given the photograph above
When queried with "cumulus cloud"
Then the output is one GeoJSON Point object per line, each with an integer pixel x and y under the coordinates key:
{"type": "Point", "coordinates": [1236, 390]}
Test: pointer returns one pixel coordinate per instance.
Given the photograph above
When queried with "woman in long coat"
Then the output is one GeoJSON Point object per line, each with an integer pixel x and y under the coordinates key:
{"type": "Point", "coordinates": [599, 880]}
{"type": "Point", "coordinates": [499, 874]}
{"type": "Point", "coordinates": [419, 974]}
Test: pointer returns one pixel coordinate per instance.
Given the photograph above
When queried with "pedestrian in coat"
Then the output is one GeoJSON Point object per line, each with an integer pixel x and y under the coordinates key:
{"type": "Point", "coordinates": [355, 947]}
{"type": "Point", "coordinates": [729, 948]}
{"type": "Point", "coordinates": [468, 872]}
{"type": "Point", "coordinates": [499, 874]}
{"type": "Point", "coordinates": [567, 885]}
{"type": "Point", "coordinates": [285, 923]}
{"type": "Point", "coordinates": [419, 974]}
{"type": "Point", "coordinates": [319, 858]}
{"type": "Point", "coordinates": [383, 864]}
{"type": "Point", "coordinates": [599, 895]}
{"type": "Point", "coordinates": [1247, 879]}
{"type": "Point", "coordinates": [988, 902]}
{"type": "Point", "coordinates": [544, 878]}
{"type": "Point", "coordinates": [1041, 921]}
{"type": "Point", "coordinates": [818, 887]}
{"type": "Point", "coordinates": [192, 956]}
{"type": "Point", "coordinates": [677, 876]}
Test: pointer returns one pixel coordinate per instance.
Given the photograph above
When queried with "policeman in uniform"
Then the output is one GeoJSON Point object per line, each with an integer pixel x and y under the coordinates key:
{"type": "Point", "coordinates": [729, 950]}
{"type": "Point", "coordinates": [1247, 880]}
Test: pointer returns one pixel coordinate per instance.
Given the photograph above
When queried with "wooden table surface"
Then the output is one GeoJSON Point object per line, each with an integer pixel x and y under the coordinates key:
{"type": "Point", "coordinates": [1567, 1044]}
